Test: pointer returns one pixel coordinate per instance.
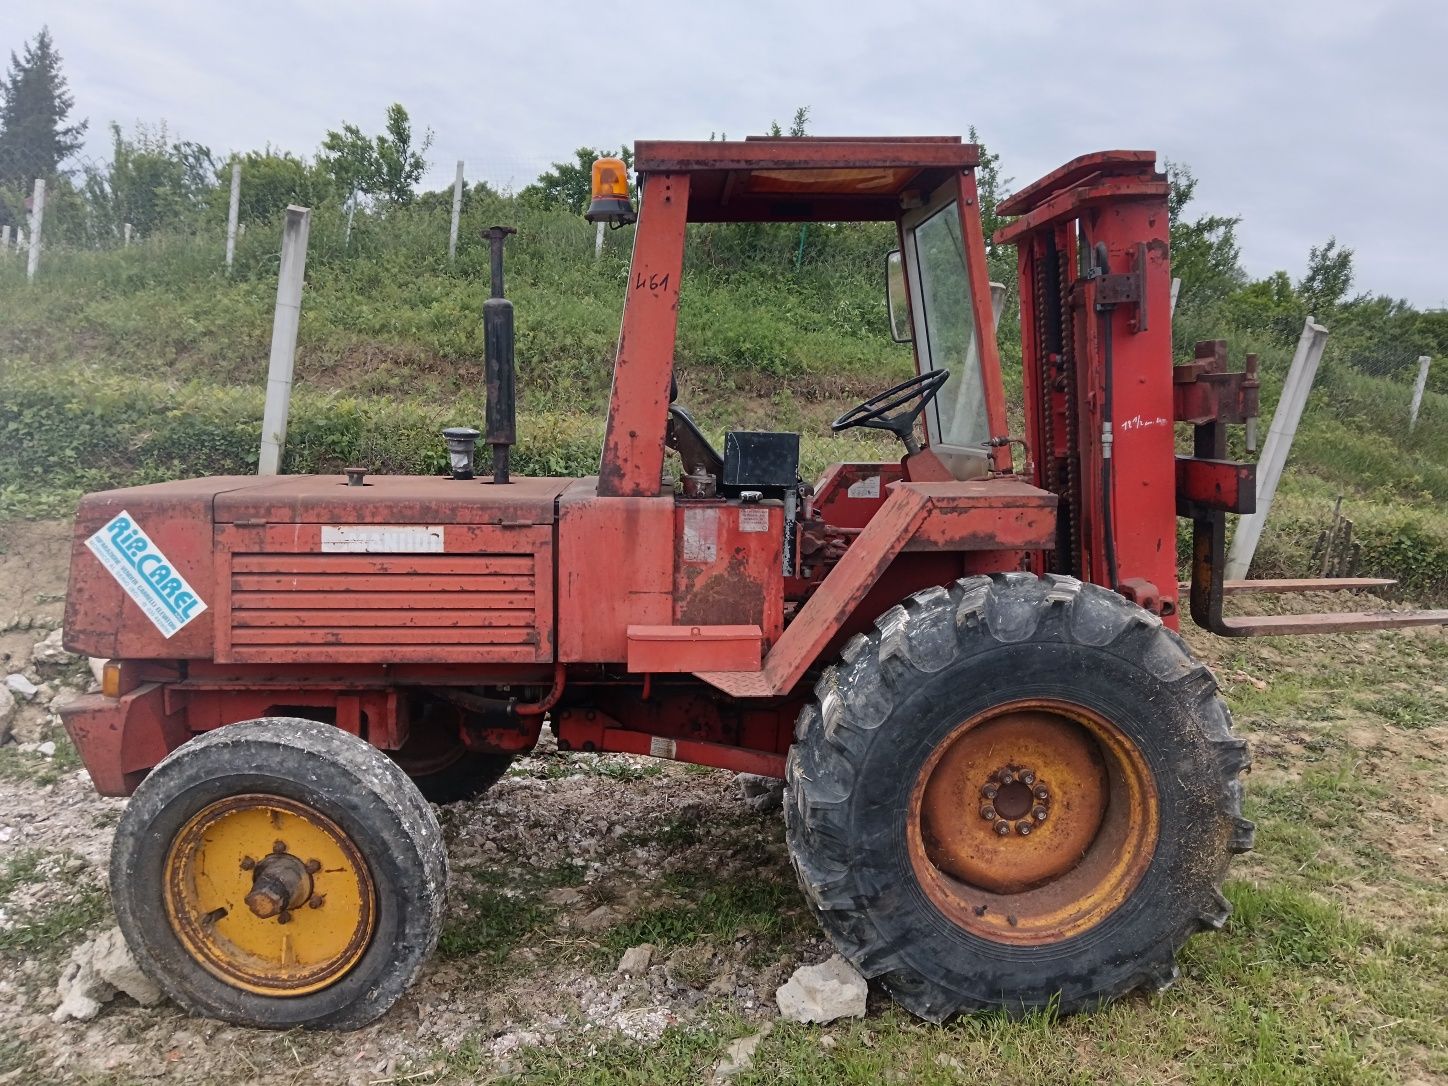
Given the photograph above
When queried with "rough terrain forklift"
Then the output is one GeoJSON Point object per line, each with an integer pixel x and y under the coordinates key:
{"type": "Point", "coordinates": [1008, 783]}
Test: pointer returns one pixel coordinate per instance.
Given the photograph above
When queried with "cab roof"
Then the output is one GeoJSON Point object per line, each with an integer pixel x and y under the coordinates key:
{"type": "Point", "coordinates": [807, 178]}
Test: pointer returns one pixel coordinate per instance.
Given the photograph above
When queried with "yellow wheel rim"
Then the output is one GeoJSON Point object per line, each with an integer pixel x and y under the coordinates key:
{"type": "Point", "coordinates": [269, 895]}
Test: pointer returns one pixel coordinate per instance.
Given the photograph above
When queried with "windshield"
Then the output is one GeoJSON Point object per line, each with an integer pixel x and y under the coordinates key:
{"type": "Point", "coordinates": [947, 332]}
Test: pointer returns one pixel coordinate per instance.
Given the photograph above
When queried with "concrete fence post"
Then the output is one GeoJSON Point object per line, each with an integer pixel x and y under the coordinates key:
{"type": "Point", "coordinates": [598, 240]}
{"type": "Point", "coordinates": [126, 234]}
{"type": "Point", "coordinates": [284, 339]}
{"type": "Point", "coordinates": [5, 239]}
{"type": "Point", "coordinates": [19, 238]}
{"type": "Point", "coordinates": [1176, 288]}
{"type": "Point", "coordinates": [37, 217]}
{"type": "Point", "coordinates": [233, 213]}
{"type": "Point", "coordinates": [457, 212]}
{"type": "Point", "coordinates": [1418, 388]}
{"type": "Point", "coordinates": [1300, 376]}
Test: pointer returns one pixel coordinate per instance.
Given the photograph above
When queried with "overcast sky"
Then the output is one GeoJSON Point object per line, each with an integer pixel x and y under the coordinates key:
{"type": "Point", "coordinates": [1307, 119]}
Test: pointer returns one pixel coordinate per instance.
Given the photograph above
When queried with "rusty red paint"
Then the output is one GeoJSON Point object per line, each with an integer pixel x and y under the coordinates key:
{"type": "Point", "coordinates": [633, 445]}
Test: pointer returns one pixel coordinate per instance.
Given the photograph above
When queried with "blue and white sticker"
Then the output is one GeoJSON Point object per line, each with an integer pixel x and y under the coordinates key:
{"type": "Point", "coordinates": [143, 571]}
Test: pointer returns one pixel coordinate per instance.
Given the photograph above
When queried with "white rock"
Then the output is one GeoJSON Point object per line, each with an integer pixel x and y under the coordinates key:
{"type": "Point", "coordinates": [759, 792]}
{"type": "Point", "coordinates": [97, 970]}
{"type": "Point", "coordinates": [21, 686]}
{"type": "Point", "coordinates": [509, 1043]}
{"type": "Point", "coordinates": [601, 917]}
{"type": "Point", "coordinates": [823, 993]}
{"type": "Point", "coordinates": [739, 1056]}
{"type": "Point", "coordinates": [97, 667]}
{"type": "Point", "coordinates": [644, 1024]}
{"type": "Point", "coordinates": [563, 895]}
{"type": "Point", "coordinates": [51, 651]}
{"type": "Point", "coordinates": [47, 749]}
{"type": "Point", "coordinates": [29, 722]}
{"type": "Point", "coordinates": [636, 959]}
{"type": "Point", "coordinates": [7, 711]}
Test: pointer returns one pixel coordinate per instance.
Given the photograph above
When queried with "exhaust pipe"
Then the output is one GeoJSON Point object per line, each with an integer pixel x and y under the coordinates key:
{"type": "Point", "coordinates": [502, 423]}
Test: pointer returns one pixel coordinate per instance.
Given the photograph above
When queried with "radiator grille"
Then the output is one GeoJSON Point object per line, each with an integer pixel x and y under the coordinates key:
{"type": "Point", "coordinates": [386, 606]}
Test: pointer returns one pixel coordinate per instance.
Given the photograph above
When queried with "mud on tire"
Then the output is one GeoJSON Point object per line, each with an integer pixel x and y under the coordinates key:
{"type": "Point", "coordinates": [311, 766]}
{"type": "Point", "coordinates": [944, 658]}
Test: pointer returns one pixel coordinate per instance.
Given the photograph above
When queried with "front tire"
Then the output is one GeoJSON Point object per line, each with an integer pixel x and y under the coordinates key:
{"type": "Point", "coordinates": [280, 873]}
{"type": "Point", "coordinates": [1016, 793]}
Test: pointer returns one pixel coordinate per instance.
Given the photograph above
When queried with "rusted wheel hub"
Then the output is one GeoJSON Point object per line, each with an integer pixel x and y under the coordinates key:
{"type": "Point", "coordinates": [1032, 820]}
{"type": "Point", "coordinates": [239, 916]}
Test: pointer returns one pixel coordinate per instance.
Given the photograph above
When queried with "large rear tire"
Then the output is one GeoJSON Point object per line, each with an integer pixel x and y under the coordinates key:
{"type": "Point", "coordinates": [280, 873]}
{"type": "Point", "coordinates": [1016, 793]}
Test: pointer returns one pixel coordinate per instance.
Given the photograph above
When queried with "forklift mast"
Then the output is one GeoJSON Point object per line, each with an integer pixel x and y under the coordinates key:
{"type": "Point", "coordinates": [1095, 274]}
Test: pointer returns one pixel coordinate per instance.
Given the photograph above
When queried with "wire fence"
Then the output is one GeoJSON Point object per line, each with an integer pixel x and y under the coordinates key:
{"type": "Point", "coordinates": [182, 201]}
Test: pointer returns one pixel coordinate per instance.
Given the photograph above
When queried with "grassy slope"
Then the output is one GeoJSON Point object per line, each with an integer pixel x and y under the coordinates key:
{"type": "Point", "coordinates": [148, 363]}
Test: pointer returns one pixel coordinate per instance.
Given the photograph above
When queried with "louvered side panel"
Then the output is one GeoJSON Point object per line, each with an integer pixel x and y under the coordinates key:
{"type": "Point", "coordinates": [493, 606]}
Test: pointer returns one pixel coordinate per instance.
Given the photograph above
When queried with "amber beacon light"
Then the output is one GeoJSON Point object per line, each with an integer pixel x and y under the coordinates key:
{"type": "Point", "coordinates": [610, 201]}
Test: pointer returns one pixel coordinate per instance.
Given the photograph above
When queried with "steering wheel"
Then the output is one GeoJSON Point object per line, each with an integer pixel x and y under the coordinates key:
{"type": "Point", "coordinates": [876, 412]}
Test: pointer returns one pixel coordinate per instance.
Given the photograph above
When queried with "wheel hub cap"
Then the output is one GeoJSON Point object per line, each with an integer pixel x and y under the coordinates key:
{"type": "Point", "coordinates": [1032, 821]}
{"type": "Point", "coordinates": [292, 921]}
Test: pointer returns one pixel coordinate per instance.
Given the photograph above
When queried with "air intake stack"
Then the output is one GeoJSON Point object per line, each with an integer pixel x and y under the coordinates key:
{"type": "Point", "coordinates": [502, 423]}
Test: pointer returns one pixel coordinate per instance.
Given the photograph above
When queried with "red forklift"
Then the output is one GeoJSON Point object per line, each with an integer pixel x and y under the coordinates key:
{"type": "Point", "coordinates": [1009, 784]}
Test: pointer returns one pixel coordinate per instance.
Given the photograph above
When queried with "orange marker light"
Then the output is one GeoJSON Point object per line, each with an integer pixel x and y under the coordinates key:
{"type": "Point", "coordinates": [111, 679]}
{"type": "Point", "coordinates": [610, 202]}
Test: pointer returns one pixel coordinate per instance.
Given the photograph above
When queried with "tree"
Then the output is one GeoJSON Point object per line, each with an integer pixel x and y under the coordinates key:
{"type": "Point", "coordinates": [1205, 253]}
{"type": "Point", "coordinates": [992, 188]}
{"type": "Point", "coordinates": [151, 183]}
{"type": "Point", "coordinates": [570, 184]}
{"type": "Point", "coordinates": [796, 127]}
{"type": "Point", "coordinates": [271, 179]}
{"type": "Point", "coordinates": [35, 106]}
{"type": "Point", "coordinates": [1329, 277]}
{"type": "Point", "coordinates": [383, 167]}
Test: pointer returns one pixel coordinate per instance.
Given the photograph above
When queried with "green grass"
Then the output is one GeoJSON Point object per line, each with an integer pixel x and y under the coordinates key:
{"type": "Point", "coordinates": [47, 932]}
{"type": "Point", "coordinates": [1297, 992]}
{"type": "Point", "coordinates": [32, 766]}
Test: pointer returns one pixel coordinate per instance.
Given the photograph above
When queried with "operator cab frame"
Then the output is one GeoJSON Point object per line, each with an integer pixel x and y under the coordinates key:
{"type": "Point", "coordinates": [926, 186]}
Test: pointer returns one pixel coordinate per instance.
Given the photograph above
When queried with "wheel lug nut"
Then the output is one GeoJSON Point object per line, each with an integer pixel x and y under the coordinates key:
{"type": "Point", "coordinates": [284, 917]}
{"type": "Point", "coordinates": [279, 846]}
{"type": "Point", "coordinates": [989, 791]}
{"type": "Point", "coordinates": [1003, 827]}
{"type": "Point", "coordinates": [988, 813]}
{"type": "Point", "coordinates": [1023, 828]}
{"type": "Point", "coordinates": [1028, 777]}
{"type": "Point", "coordinates": [313, 866]}
{"type": "Point", "coordinates": [1039, 814]}
{"type": "Point", "coordinates": [247, 863]}
{"type": "Point", "coordinates": [1041, 793]}
{"type": "Point", "coordinates": [1007, 777]}
{"type": "Point", "coordinates": [315, 901]}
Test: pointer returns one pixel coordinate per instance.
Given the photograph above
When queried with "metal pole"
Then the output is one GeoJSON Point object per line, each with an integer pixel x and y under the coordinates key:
{"type": "Point", "coordinates": [598, 240]}
{"type": "Point", "coordinates": [997, 302]}
{"type": "Point", "coordinates": [127, 233]}
{"type": "Point", "coordinates": [457, 211]}
{"type": "Point", "coordinates": [232, 214]}
{"type": "Point", "coordinates": [284, 339]}
{"type": "Point", "coordinates": [1278, 444]}
{"type": "Point", "coordinates": [37, 216]}
{"type": "Point", "coordinates": [1418, 387]}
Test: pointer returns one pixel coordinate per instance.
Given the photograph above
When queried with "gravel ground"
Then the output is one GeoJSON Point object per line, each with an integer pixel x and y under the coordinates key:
{"type": "Point", "coordinates": [573, 860]}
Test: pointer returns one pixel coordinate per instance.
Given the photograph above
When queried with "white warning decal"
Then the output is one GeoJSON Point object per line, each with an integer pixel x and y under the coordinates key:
{"type": "Point", "coordinates": [143, 571]}
{"type": "Point", "coordinates": [864, 488]}
{"type": "Point", "coordinates": [382, 539]}
{"type": "Point", "coordinates": [754, 519]}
